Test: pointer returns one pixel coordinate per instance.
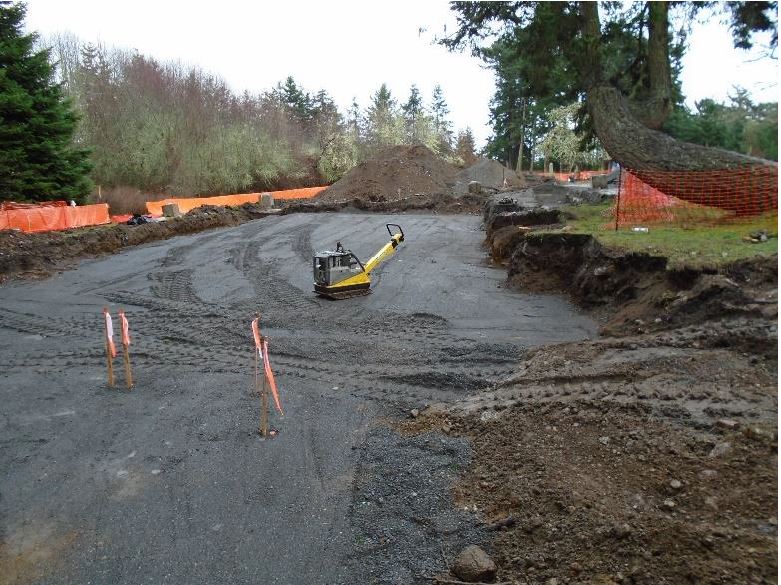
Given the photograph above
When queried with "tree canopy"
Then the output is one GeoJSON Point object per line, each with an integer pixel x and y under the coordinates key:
{"type": "Point", "coordinates": [618, 60]}
{"type": "Point", "coordinates": [164, 128]}
{"type": "Point", "coordinates": [38, 160]}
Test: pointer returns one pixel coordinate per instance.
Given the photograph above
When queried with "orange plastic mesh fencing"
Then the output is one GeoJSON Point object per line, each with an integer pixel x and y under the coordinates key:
{"type": "Point", "coordinates": [696, 197]}
{"type": "Point", "coordinates": [188, 203]}
{"type": "Point", "coordinates": [303, 193]}
{"type": "Point", "coordinates": [578, 176]}
{"type": "Point", "coordinates": [46, 218]}
{"type": "Point", "coordinates": [121, 218]}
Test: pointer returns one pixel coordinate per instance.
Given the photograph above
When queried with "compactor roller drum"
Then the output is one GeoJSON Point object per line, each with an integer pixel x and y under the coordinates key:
{"type": "Point", "coordinates": [339, 274]}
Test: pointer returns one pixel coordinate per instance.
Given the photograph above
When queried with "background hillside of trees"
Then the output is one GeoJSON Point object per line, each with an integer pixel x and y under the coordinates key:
{"type": "Point", "coordinates": [167, 128]}
{"type": "Point", "coordinates": [164, 128]}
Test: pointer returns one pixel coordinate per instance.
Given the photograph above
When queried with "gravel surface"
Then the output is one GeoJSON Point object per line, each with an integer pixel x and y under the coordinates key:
{"type": "Point", "coordinates": [170, 483]}
{"type": "Point", "coordinates": [404, 523]}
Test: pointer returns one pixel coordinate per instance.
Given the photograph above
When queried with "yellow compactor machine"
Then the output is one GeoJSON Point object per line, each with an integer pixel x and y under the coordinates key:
{"type": "Point", "coordinates": [339, 274]}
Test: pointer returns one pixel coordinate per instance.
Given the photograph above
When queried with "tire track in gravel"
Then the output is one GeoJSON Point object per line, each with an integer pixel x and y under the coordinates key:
{"type": "Point", "coordinates": [173, 471]}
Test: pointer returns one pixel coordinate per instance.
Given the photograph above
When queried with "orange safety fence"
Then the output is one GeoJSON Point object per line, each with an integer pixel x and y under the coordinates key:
{"type": "Point", "coordinates": [186, 204]}
{"type": "Point", "coordinates": [303, 193]}
{"type": "Point", "coordinates": [51, 216]}
{"type": "Point", "coordinates": [578, 176]}
{"type": "Point", "coordinates": [691, 197]}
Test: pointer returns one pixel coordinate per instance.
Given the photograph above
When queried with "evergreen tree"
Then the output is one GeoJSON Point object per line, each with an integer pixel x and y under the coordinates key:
{"type": "Point", "coordinates": [413, 109]}
{"type": "Point", "coordinates": [417, 125]}
{"type": "Point", "coordinates": [296, 99]}
{"type": "Point", "coordinates": [465, 147]}
{"type": "Point", "coordinates": [620, 62]}
{"type": "Point", "coordinates": [384, 125]}
{"type": "Point", "coordinates": [38, 160]}
{"type": "Point", "coordinates": [442, 126]}
{"type": "Point", "coordinates": [354, 118]}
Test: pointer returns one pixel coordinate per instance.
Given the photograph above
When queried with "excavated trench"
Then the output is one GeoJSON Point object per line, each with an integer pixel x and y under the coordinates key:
{"type": "Point", "coordinates": [647, 455]}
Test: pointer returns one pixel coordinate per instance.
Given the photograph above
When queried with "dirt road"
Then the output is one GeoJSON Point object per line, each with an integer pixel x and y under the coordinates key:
{"type": "Point", "coordinates": [170, 483]}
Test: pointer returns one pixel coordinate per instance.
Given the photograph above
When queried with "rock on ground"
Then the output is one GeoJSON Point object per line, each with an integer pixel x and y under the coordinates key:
{"type": "Point", "coordinates": [473, 565]}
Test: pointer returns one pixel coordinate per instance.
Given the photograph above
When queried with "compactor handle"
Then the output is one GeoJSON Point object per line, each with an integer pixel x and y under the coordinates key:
{"type": "Point", "coordinates": [354, 257]}
{"type": "Point", "coordinates": [388, 227]}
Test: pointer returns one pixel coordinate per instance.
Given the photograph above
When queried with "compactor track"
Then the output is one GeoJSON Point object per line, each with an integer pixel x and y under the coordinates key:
{"type": "Point", "coordinates": [338, 296]}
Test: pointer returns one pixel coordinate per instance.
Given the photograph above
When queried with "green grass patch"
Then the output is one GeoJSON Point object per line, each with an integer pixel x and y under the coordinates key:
{"type": "Point", "coordinates": [696, 245]}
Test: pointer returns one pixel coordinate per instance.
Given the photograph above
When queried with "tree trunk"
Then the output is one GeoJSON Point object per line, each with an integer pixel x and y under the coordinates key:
{"type": "Point", "coordinates": [638, 147]}
{"type": "Point", "coordinates": [656, 105]}
{"type": "Point", "coordinates": [703, 175]}
{"type": "Point", "coordinates": [698, 174]}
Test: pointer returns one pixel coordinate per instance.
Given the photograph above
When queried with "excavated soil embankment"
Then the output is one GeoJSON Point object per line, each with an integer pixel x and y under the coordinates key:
{"type": "Point", "coordinates": [634, 293]}
{"type": "Point", "coordinates": [38, 255]}
{"type": "Point", "coordinates": [648, 455]}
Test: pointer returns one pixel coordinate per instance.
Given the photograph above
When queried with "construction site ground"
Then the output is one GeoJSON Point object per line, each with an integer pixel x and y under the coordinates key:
{"type": "Point", "coordinates": [594, 418]}
{"type": "Point", "coordinates": [170, 482]}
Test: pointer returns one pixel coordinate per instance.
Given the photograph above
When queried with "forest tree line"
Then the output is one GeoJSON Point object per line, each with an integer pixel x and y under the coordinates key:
{"type": "Point", "coordinates": [112, 118]}
{"type": "Point", "coordinates": [164, 128]}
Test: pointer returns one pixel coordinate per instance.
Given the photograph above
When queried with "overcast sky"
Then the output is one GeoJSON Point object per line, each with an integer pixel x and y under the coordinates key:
{"type": "Point", "coordinates": [349, 48]}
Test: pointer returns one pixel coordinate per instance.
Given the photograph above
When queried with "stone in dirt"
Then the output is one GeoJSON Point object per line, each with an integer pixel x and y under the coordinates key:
{"type": "Point", "coordinates": [720, 449]}
{"type": "Point", "coordinates": [473, 565]}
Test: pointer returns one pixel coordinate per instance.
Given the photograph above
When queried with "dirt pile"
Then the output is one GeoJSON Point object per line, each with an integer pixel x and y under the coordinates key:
{"type": "Point", "coordinates": [38, 255]}
{"type": "Point", "coordinates": [590, 491]}
{"type": "Point", "coordinates": [642, 459]}
{"type": "Point", "coordinates": [492, 174]}
{"type": "Point", "coordinates": [395, 173]}
{"type": "Point", "coordinates": [441, 203]}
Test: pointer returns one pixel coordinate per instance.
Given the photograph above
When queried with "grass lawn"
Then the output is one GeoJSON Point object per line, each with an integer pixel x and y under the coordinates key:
{"type": "Point", "coordinates": [698, 245]}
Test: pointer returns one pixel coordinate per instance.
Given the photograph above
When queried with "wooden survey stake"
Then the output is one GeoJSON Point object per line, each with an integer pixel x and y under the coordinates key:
{"type": "Point", "coordinates": [125, 334]}
{"type": "Point", "coordinates": [128, 373]}
{"type": "Point", "coordinates": [260, 381]}
{"type": "Point", "coordinates": [264, 408]}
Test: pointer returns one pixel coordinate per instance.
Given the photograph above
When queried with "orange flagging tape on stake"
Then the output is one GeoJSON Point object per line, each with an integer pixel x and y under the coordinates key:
{"type": "Point", "coordinates": [256, 334]}
{"type": "Point", "coordinates": [261, 346]}
{"type": "Point", "coordinates": [125, 335]}
{"type": "Point", "coordinates": [125, 329]}
{"type": "Point", "coordinates": [110, 333]}
{"type": "Point", "coordinates": [270, 377]}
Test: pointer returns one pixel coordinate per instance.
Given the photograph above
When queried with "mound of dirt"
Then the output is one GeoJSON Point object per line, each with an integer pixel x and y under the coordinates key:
{"type": "Point", "coordinates": [395, 173]}
{"type": "Point", "coordinates": [492, 174]}
{"type": "Point", "coordinates": [607, 493]}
